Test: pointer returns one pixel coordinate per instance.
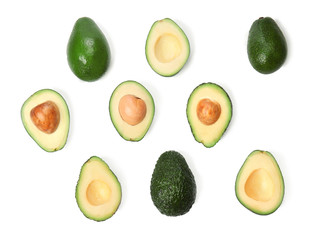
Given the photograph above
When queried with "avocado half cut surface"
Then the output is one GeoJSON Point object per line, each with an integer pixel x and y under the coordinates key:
{"type": "Point", "coordinates": [167, 47]}
{"type": "Point", "coordinates": [88, 51]}
{"type": "Point", "coordinates": [98, 191]}
{"type": "Point", "coordinates": [209, 112]}
{"type": "Point", "coordinates": [173, 187]}
{"type": "Point", "coordinates": [45, 116]}
{"type": "Point", "coordinates": [266, 46]}
{"type": "Point", "coordinates": [259, 184]}
{"type": "Point", "coordinates": [131, 109]}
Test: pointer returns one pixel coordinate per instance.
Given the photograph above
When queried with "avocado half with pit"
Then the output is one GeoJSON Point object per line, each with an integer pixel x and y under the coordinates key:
{"type": "Point", "coordinates": [98, 191]}
{"type": "Point", "coordinates": [131, 109]}
{"type": "Point", "coordinates": [167, 47]}
{"type": "Point", "coordinates": [259, 184]}
{"type": "Point", "coordinates": [209, 112]}
{"type": "Point", "coordinates": [45, 116]}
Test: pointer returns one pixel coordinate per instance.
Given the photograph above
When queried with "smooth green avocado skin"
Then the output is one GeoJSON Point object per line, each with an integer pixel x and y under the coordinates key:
{"type": "Point", "coordinates": [173, 187]}
{"type": "Point", "coordinates": [88, 50]}
{"type": "Point", "coordinates": [266, 46]}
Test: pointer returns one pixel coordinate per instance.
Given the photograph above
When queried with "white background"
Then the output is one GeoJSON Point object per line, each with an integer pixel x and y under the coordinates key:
{"type": "Point", "coordinates": [270, 112]}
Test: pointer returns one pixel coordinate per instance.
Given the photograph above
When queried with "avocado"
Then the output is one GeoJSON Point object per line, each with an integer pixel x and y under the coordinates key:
{"type": "Point", "coordinates": [173, 188]}
{"type": "Point", "coordinates": [167, 47]}
{"type": "Point", "coordinates": [88, 51]}
{"type": "Point", "coordinates": [259, 184]}
{"type": "Point", "coordinates": [131, 109]}
{"type": "Point", "coordinates": [209, 112]}
{"type": "Point", "coordinates": [98, 191]}
{"type": "Point", "coordinates": [266, 46]}
{"type": "Point", "coordinates": [45, 116]}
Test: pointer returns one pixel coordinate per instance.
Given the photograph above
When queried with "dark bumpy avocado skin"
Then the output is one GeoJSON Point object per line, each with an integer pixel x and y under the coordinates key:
{"type": "Point", "coordinates": [173, 187]}
{"type": "Point", "coordinates": [266, 46]}
{"type": "Point", "coordinates": [88, 51]}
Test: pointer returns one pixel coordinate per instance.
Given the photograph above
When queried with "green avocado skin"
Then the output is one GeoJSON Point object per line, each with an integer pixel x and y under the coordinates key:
{"type": "Point", "coordinates": [88, 51]}
{"type": "Point", "coordinates": [173, 187]}
{"type": "Point", "coordinates": [266, 46]}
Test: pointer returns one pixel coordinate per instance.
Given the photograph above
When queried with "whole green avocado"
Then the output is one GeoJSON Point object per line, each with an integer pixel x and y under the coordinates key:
{"type": "Point", "coordinates": [173, 187]}
{"type": "Point", "coordinates": [266, 46]}
{"type": "Point", "coordinates": [88, 51]}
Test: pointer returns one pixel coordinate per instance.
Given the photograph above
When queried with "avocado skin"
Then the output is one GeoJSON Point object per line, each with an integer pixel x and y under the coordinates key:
{"type": "Point", "coordinates": [88, 51]}
{"type": "Point", "coordinates": [173, 187]}
{"type": "Point", "coordinates": [266, 46]}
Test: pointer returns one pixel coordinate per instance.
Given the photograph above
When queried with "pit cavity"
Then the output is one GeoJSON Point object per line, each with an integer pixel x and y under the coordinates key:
{"type": "Point", "coordinates": [98, 192]}
{"type": "Point", "coordinates": [259, 185]}
{"type": "Point", "coordinates": [167, 48]}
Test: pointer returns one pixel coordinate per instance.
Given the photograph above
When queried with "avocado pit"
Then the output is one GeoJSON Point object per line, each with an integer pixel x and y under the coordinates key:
{"type": "Point", "coordinates": [208, 111]}
{"type": "Point", "coordinates": [46, 117]}
{"type": "Point", "coordinates": [132, 109]}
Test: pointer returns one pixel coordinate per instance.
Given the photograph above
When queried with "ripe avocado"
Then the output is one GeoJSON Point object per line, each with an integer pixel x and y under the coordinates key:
{"type": "Point", "coordinates": [98, 191]}
{"type": "Point", "coordinates": [88, 51]}
{"type": "Point", "coordinates": [259, 184]}
{"type": "Point", "coordinates": [209, 112]}
{"type": "Point", "coordinates": [131, 109]}
{"type": "Point", "coordinates": [173, 187]}
{"type": "Point", "coordinates": [266, 46]}
{"type": "Point", "coordinates": [167, 47]}
{"type": "Point", "coordinates": [45, 116]}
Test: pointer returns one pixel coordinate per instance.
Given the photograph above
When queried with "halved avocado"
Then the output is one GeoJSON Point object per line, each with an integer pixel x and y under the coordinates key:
{"type": "Point", "coordinates": [259, 184]}
{"type": "Point", "coordinates": [209, 112]}
{"type": "Point", "coordinates": [167, 47]}
{"type": "Point", "coordinates": [98, 191]}
{"type": "Point", "coordinates": [45, 116]}
{"type": "Point", "coordinates": [131, 109]}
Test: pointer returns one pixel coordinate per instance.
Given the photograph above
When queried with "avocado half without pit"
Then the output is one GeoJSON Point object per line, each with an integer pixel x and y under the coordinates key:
{"type": "Point", "coordinates": [131, 110]}
{"type": "Point", "coordinates": [209, 112]}
{"type": "Point", "coordinates": [98, 191]}
{"type": "Point", "coordinates": [167, 47]}
{"type": "Point", "coordinates": [259, 184]}
{"type": "Point", "coordinates": [45, 116]}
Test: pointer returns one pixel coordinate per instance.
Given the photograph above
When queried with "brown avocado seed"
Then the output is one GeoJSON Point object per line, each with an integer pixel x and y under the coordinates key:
{"type": "Point", "coordinates": [46, 117]}
{"type": "Point", "coordinates": [132, 109]}
{"type": "Point", "coordinates": [208, 111]}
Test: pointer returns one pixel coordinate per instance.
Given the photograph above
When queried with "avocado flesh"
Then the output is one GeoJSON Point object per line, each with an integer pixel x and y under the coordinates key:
{"type": "Point", "coordinates": [259, 184]}
{"type": "Point", "coordinates": [125, 130]}
{"type": "Point", "coordinates": [56, 140]}
{"type": "Point", "coordinates": [98, 191]}
{"type": "Point", "coordinates": [266, 46]}
{"type": "Point", "coordinates": [173, 187]}
{"type": "Point", "coordinates": [167, 47]}
{"type": "Point", "coordinates": [209, 134]}
{"type": "Point", "coordinates": [88, 51]}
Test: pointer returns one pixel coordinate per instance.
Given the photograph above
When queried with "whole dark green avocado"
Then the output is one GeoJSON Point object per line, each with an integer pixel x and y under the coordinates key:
{"type": "Point", "coordinates": [173, 187]}
{"type": "Point", "coordinates": [266, 46]}
{"type": "Point", "coordinates": [88, 51]}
